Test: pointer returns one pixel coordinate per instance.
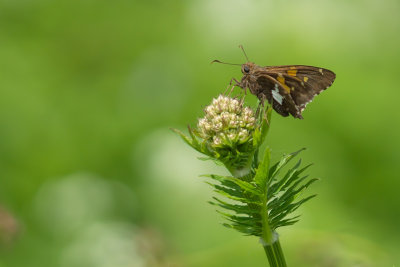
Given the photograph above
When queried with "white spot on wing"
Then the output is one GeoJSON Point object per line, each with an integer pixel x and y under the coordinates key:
{"type": "Point", "coordinates": [276, 95]}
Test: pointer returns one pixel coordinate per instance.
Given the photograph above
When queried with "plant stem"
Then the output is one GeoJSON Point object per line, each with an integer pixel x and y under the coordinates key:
{"type": "Point", "coordinates": [280, 252]}
{"type": "Point", "coordinates": [270, 255]}
{"type": "Point", "coordinates": [275, 254]}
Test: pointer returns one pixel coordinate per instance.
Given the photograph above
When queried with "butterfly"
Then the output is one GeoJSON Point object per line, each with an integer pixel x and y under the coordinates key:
{"type": "Point", "coordinates": [288, 89]}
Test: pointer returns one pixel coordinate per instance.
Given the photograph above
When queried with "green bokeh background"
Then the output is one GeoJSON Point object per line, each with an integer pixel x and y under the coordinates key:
{"type": "Point", "coordinates": [90, 174]}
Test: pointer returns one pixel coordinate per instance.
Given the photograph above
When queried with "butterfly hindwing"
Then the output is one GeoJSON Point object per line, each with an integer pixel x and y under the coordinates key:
{"type": "Point", "coordinates": [278, 95]}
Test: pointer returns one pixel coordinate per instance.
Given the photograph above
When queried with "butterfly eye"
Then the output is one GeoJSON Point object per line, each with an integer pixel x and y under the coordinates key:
{"type": "Point", "coordinates": [246, 69]}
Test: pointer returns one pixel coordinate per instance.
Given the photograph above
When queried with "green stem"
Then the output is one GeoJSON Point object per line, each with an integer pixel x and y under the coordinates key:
{"type": "Point", "coordinates": [279, 250]}
{"type": "Point", "coordinates": [271, 256]}
{"type": "Point", "coordinates": [275, 254]}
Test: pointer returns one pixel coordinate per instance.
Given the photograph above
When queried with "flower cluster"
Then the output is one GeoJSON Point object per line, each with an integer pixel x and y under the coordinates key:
{"type": "Point", "coordinates": [226, 122]}
{"type": "Point", "coordinates": [229, 133]}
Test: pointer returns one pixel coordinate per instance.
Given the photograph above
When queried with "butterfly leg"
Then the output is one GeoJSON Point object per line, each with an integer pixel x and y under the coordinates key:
{"type": "Point", "coordinates": [227, 88]}
{"type": "Point", "coordinates": [237, 83]}
{"type": "Point", "coordinates": [244, 89]}
{"type": "Point", "coordinates": [244, 92]}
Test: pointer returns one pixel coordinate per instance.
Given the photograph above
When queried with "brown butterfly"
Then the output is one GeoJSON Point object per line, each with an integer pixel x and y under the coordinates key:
{"type": "Point", "coordinates": [287, 88]}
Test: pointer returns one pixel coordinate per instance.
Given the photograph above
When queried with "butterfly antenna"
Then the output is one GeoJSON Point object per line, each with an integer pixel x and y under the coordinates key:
{"type": "Point", "coordinates": [241, 47]}
{"type": "Point", "coordinates": [217, 61]}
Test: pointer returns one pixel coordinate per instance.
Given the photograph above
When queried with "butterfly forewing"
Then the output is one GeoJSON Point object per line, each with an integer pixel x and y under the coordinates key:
{"type": "Point", "coordinates": [304, 82]}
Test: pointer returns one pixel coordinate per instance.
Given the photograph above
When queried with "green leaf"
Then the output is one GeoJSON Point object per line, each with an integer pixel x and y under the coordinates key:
{"type": "Point", "coordinates": [205, 158]}
{"type": "Point", "coordinates": [243, 200]}
{"type": "Point", "coordinates": [292, 192]}
{"type": "Point", "coordinates": [282, 192]}
{"type": "Point", "coordinates": [194, 139]}
{"type": "Point", "coordinates": [242, 220]}
{"type": "Point", "coordinates": [227, 190]}
{"type": "Point", "coordinates": [243, 229]}
{"type": "Point", "coordinates": [295, 177]}
{"type": "Point", "coordinates": [261, 132]}
{"type": "Point", "coordinates": [239, 209]}
{"type": "Point", "coordinates": [278, 166]}
{"type": "Point", "coordinates": [277, 215]}
{"type": "Point", "coordinates": [262, 171]}
{"type": "Point", "coordinates": [286, 222]}
{"type": "Point", "coordinates": [288, 195]}
{"type": "Point", "coordinates": [248, 187]}
{"type": "Point", "coordinates": [278, 186]}
{"type": "Point", "coordinates": [184, 137]}
{"type": "Point", "coordinates": [223, 181]}
{"type": "Point", "coordinates": [287, 208]}
{"type": "Point", "coordinates": [232, 191]}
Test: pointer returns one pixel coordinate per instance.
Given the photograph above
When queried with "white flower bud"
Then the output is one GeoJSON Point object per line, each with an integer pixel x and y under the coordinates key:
{"type": "Point", "coordinates": [202, 122]}
{"type": "Point", "coordinates": [243, 134]}
{"type": "Point", "coordinates": [216, 140]}
{"type": "Point", "coordinates": [226, 121]}
{"type": "Point", "coordinates": [217, 126]}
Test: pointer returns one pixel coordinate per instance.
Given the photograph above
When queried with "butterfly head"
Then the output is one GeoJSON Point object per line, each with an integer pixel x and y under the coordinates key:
{"type": "Point", "coordinates": [247, 68]}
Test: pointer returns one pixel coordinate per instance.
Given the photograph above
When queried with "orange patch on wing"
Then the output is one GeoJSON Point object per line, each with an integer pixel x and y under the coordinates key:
{"type": "Point", "coordinates": [292, 72]}
{"type": "Point", "coordinates": [281, 80]}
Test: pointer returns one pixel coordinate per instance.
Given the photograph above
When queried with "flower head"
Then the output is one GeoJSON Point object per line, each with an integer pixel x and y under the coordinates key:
{"type": "Point", "coordinates": [230, 133]}
{"type": "Point", "coordinates": [226, 122]}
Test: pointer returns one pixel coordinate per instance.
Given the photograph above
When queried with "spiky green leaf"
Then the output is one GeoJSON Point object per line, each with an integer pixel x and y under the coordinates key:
{"type": "Point", "coordinates": [278, 166]}
{"type": "Point", "coordinates": [246, 186]}
{"type": "Point", "coordinates": [261, 175]}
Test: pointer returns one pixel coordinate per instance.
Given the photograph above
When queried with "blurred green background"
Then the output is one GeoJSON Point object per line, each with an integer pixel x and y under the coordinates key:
{"type": "Point", "coordinates": [90, 174]}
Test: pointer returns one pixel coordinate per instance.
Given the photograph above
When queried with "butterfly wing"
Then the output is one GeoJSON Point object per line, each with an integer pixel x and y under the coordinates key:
{"type": "Point", "coordinates": [277, 95]}
{"type": "Point", "coordinates": [303, 82]}
{"type": "Point", "coordinates": [288, 88]}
